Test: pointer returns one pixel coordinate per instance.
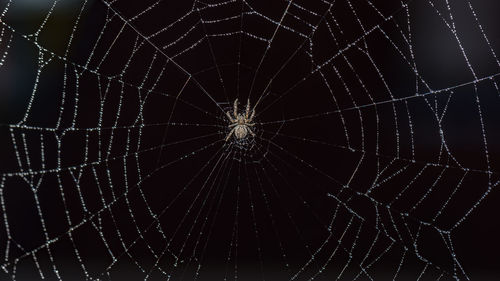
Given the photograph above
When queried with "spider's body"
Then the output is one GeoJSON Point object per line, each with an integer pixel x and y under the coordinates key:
{"type": "Point", "coordinates": [240, 123]}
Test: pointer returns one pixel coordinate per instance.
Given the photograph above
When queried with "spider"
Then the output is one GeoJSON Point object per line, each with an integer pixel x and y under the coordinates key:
{"type": "Point", "coordinates": [240, 123]}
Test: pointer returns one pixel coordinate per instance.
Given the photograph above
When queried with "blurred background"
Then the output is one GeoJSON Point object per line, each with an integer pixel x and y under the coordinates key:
{"type": "Point", "coordinates": [376, 155]}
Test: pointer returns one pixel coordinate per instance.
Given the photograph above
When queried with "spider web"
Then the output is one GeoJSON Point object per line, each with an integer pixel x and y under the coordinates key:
{"type": "Point", "coordinates": [375, 155]}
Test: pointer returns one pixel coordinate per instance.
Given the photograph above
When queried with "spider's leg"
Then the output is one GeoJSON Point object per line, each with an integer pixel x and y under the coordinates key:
{"type": "Point", "coordinates": [251, 132]}
{"type": "Point", "coordinates": [247, 111]}
{"type": "Point", "coordinates": [230, 118]}
{"type": "Point", "coordinates": [230, 134]}
{"type": "Point", "coordinates": [252, 116]}
{"type": "Point", "coordinates": [235, 107]}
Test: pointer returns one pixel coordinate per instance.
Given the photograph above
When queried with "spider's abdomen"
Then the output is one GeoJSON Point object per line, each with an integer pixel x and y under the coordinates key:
{"type": "Point", "coordinates": [240, 131]}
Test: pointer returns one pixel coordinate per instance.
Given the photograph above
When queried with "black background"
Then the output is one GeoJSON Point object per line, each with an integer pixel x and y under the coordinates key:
{"type": "Point", "coordinates": [179, 198]}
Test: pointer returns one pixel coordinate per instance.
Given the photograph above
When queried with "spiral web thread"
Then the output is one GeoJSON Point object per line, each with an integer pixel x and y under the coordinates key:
{"type": "Point", "coordinates": [114, 154]}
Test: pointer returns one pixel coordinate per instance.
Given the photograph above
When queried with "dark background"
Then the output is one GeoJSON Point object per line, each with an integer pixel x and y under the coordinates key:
{"type": "Point", "coordinates": [116, 167]}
